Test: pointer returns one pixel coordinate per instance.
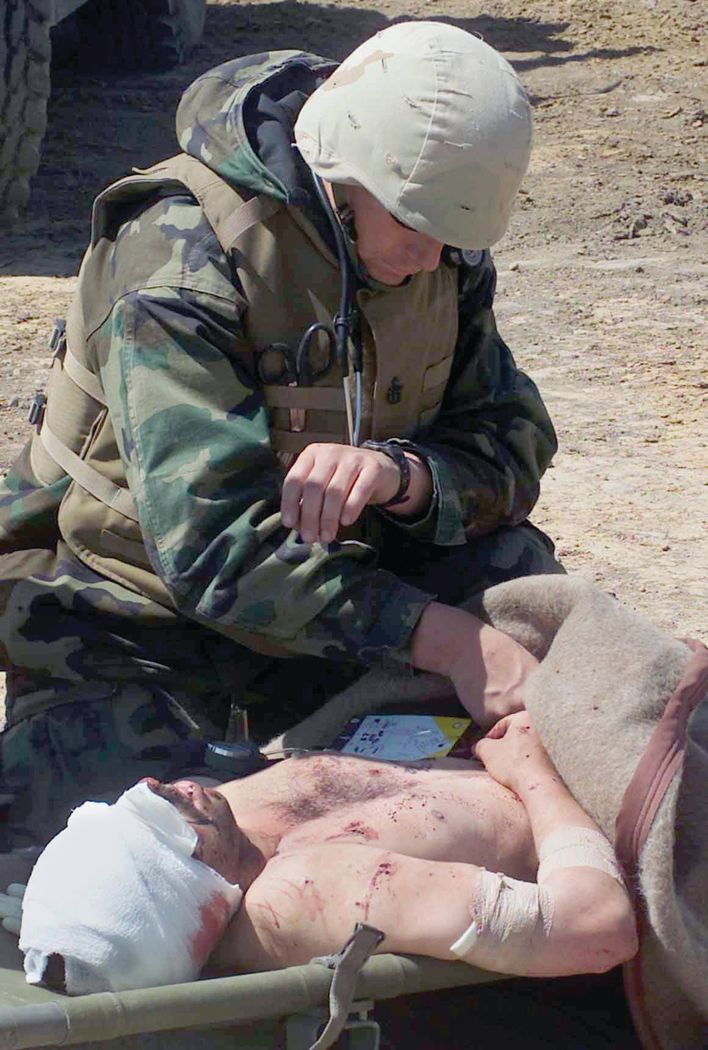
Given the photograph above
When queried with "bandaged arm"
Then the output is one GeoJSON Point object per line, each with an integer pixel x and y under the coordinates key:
{"type": "Point", "coordinates": [576, 917]}
{"type": "Point", "coordinates": [306, 902]}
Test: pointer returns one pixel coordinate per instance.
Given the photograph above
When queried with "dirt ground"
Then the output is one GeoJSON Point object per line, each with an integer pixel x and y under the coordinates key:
{"type": "Point", "coordinates": [600, 276]}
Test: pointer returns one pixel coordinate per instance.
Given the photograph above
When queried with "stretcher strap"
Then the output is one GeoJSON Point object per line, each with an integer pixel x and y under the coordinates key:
{"type": "Point", "coordinates": [347, 965]}
{"type": "Point", "coordinates": [115, 497]}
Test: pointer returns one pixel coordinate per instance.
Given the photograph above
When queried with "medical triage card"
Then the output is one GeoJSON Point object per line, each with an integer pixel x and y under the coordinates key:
{"type": "Point", "coordinates": [406, 738]}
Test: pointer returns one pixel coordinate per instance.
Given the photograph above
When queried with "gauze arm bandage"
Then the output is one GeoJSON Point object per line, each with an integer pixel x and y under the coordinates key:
{"type": "Point", "coordinates": [539, 929]}
{"type": "Point", "coordinates": [509, 918]}
{"type": "Point", "coordinates": [577, 848]}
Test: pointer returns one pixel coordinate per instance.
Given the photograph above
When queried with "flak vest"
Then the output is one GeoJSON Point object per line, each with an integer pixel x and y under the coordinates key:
{"type": "Point", "coordinates": [290, 280]}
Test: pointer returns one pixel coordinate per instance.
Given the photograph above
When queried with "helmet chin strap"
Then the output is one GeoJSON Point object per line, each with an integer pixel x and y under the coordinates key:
{"type": "Point", "coordinates": [347, 221]}
{"type": "Point", "coordinates": [345, 214]}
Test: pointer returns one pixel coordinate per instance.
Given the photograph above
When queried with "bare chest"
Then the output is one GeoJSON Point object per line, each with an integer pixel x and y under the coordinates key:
{"type": "Point", "coordinates": [457, 814]}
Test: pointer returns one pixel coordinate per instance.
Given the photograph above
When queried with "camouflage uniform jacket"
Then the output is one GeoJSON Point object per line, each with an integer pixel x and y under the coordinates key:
{"type": "Point", "coordinates": [191, 425]}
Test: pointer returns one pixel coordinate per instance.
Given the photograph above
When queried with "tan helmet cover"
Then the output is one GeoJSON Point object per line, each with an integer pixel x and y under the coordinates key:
{"type": "Point", "coordinates": [430, 120]}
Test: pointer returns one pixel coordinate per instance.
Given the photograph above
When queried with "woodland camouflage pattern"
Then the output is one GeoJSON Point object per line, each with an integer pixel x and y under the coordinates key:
{"type": "Point", "coordinates": [192, 431]}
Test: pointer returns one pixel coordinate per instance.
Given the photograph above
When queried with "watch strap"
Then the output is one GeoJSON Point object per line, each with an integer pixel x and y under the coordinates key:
{"type": "Point", "coordinates": [396, 453]}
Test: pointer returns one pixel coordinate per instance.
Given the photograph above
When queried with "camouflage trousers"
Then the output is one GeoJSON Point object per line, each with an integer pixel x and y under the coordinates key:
{"type": "Point", "coordinates": [453, 574]}
{"type": "Point", "coordinates": [94, 740]}
{"type": "Point", "coordinates": [90, 748]}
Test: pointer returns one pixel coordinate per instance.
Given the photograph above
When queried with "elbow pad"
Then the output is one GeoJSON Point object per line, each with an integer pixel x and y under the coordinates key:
{"type": "Point", "coordinates": [510, 915]}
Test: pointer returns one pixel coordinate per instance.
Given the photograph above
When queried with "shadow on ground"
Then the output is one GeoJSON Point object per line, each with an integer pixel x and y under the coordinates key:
{"type": "Point", "coordinates": [100, 126]}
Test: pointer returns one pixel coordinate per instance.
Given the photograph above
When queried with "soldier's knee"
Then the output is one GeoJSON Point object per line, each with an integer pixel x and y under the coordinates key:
{"type": "Point", "coordinates": [523, 550]}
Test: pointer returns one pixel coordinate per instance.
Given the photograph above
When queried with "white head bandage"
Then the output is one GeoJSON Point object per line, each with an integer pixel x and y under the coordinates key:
{"type": "Point", "coordinates": [510, 916]}
{"type": "Point", "coordinates": [120, 897]}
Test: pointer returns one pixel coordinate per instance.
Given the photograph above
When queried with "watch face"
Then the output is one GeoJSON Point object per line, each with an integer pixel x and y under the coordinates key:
{"type": "Point", "coordinates": [472, 257]}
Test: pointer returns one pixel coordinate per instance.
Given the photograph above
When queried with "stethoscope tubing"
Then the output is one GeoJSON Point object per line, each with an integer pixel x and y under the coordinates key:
{"type": "Point", "coordinates": [342, 321]}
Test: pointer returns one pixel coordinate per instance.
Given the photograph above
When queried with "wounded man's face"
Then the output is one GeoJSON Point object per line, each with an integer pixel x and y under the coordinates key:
{"type": "Point", "coordinates": [208, 812]}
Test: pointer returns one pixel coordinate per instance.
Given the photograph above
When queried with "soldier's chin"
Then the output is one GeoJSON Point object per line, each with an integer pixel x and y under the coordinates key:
{"type": "Point", "coordinates": [386, 274]}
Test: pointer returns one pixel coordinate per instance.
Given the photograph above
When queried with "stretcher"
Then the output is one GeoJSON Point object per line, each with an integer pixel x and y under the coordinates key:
{"type": "Point", "coordinates": [279, 1010]}
{"type": "Point", "coordinates": [291, 1009]}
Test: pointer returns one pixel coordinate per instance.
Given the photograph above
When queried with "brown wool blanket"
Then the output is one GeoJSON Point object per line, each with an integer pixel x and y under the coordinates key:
{"type": "Point", "coordinates": [622, 708]}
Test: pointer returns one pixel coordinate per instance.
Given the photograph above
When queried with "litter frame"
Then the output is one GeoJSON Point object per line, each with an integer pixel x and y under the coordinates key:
{"type": "Point", "coordinates": [250, 1006]}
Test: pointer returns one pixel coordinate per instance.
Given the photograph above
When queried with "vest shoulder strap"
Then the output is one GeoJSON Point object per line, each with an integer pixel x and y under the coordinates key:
{"type": "Point", "coordinates": [101, 487]}
{"type": "Point", "coordinates": [229, 212]}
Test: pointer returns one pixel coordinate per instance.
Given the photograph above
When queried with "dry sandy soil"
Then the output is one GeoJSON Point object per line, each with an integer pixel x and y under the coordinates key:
{"type": "Point", "coordinates": [599, 277]}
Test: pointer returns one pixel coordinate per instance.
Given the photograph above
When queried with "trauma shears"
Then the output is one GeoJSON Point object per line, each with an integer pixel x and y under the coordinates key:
{"type": "Point", "coordinates": [315, 357]}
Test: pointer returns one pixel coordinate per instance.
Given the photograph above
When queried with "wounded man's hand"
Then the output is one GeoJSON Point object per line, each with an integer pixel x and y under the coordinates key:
{"type": "Point", "coordinates": [11, 908]}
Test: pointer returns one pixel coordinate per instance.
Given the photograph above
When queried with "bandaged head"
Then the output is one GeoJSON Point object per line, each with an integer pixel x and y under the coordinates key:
{"type": "Point", "coordinates": [120, 897]}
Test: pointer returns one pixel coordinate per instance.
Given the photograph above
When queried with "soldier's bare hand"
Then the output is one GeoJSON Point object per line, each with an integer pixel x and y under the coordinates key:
{"type": "Point", "coordinates": [329, 485]}
{"type": "Point", "coordinates": [489, 676]}
{"type": "Point", "coordinates": [487, 667]}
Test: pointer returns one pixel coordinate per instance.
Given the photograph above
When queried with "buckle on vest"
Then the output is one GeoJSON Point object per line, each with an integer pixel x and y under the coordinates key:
{"type": "Point", "coordinates": [57, 340]}
{"type": "Point", "coordinates": [37, 408]}
{"type": "Point", "coordinates": [394, 394]}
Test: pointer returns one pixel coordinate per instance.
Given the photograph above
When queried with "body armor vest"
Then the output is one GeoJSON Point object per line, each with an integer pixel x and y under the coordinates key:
{"type": "Point", "coordinates": [290, 280]}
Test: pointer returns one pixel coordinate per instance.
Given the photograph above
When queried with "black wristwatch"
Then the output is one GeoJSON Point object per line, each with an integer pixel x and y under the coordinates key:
{"type": "Point", "coordinates": [396, 453]}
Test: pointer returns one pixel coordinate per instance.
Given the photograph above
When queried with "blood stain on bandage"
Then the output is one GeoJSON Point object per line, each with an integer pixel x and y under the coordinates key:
{"type": "Point", "coordinates": [213, 917]}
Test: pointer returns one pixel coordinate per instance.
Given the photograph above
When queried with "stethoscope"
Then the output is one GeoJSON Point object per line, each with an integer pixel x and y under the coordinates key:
{"type": "Point", "coordinates": [277, 362]}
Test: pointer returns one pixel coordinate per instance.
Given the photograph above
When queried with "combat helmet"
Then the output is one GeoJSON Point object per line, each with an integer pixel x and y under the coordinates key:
{"type": "Point", "coordinates": [430, 120]}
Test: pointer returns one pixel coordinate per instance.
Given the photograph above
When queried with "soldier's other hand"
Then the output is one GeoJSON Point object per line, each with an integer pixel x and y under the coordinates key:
{"type": "Point", "coordinates": [489, 676]}
{"type": "Point", "coordinates": [329, 485]}
{"type": "Point", "coordinates": [487, 667]}
{"type": "Point", "coordinates": [11, 908]}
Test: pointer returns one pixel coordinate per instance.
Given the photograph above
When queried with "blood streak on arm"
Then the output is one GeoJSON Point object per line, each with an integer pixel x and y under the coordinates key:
{"type": "Point", "coordinates": [268, 908]}
{"type": "Point", "coordinates": [358, 829]}
{"type": "Point", "coordinates": [384, 870]}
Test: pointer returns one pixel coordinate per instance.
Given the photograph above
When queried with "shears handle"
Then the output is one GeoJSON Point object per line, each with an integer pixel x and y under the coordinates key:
{"type": "Point", "coordinates": [274, 363]}
{"type": "Point", "coordinates": [307, 373]}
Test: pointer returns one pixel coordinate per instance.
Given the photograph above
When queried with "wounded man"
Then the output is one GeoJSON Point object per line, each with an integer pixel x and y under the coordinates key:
{"type": "Point", "coordinates": [500, 868]}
